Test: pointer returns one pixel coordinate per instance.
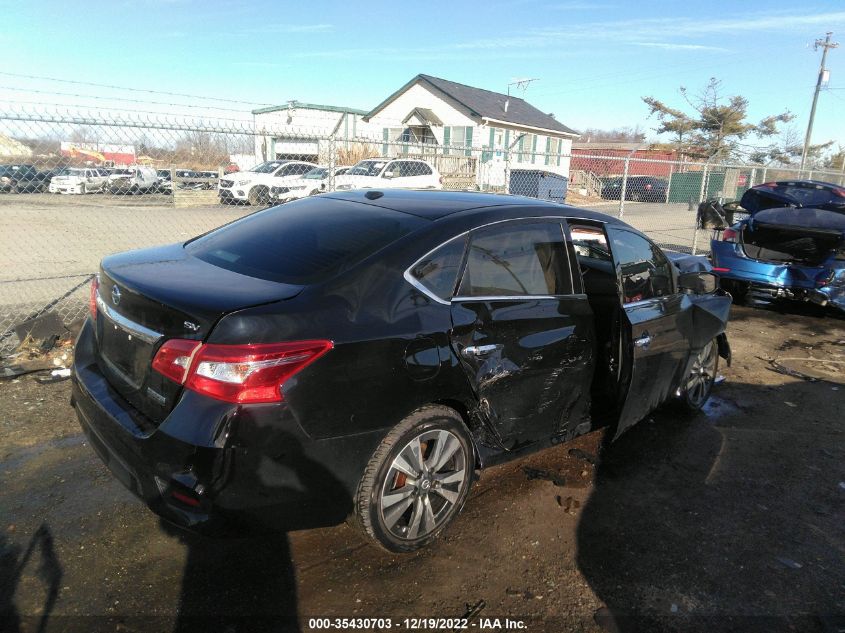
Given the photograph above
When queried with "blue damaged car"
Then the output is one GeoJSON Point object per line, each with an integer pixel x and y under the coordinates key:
{"type": "Point", "coordinates": [791, 245]}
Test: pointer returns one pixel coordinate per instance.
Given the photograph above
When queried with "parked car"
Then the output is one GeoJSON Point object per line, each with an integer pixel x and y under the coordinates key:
{"type": "Point", "coordinates": [132, 180]}
{"type": "Point", "coordinates": [79, 180]}
{"type": "Point", "coordinates": [791, 245]}
{"type": "Point", "coordinates": [367, 352]}
{"type": "Point", "coordinates": [164, 181]}
{"type": "Point", "coordinates": [21, 178]}
{"type": "Point", "coordinates": [253, 185]}
{"type": "Point", "coordinates": [385, 173]}
{"type": "Point", "coordinates": [637, 189]}
{"type": "Point", "coordinates": [310, 184]}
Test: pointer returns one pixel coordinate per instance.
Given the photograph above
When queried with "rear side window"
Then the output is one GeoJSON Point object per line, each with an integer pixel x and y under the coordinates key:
{"type": "Point", "coordinates": [303, 242]}
{"type": "Point", "coordinates": [645, 272]}
{"type": "Point", "coordinates": [517, 260]}
{"type": "Point", "coordinates": [438, 271]}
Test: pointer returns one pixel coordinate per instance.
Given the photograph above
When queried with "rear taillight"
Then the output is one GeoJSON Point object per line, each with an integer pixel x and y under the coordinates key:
{"type": "Point", "coordinates": [647, 187]}
{"type": "Point", "coordinates": [730, 235]}
{"type": "Point", "coordinates": [839, 192]}
{"type": "Point", "coordinates": [92, 299]}
{"type": "Point", "coordinates": [237, 373]}
{"type": "Point", "coordinates": [173, 359]}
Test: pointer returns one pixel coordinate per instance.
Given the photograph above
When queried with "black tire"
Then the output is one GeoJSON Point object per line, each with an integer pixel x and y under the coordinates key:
{"type": "Point", "coordinates": [425, 495]}
{"type": "Point", "coordinates": [15, 187]}
{"type": "Point", "coordinates": [699, 382]}
{"type": "Point", "coordinates": [259, 196]}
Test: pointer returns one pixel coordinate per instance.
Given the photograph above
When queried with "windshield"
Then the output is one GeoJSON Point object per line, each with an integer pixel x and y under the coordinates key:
{"type": "Point", "coordinates": [122, 172]}
{"type": "Point", "coordinates": [268, 167]}
{"type": "Point", "coordinates": [318, 173]}
{"type": "Point", "coordinates": [367, 168]}
{"type": "Point", "coordinates": [304, 241]}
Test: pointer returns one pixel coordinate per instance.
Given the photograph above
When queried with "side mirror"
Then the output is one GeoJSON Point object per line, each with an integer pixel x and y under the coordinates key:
{"type": "Point", "coordinates": [698, 283]}
{"type": "Point", "coordinates": [388, 174]}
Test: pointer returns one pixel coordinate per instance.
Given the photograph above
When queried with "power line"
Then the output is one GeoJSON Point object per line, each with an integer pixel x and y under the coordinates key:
{"type": "Point", "coordinates": [114, 109]}
{"type": "Point", "coordinates": [145, 90]}
{"type": "Point", "coordinates": [124, 99]}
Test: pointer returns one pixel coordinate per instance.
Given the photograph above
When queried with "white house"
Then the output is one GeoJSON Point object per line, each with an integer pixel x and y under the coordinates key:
{"type": "Point", "coordinates": [437, 117]}
{"type": "Point", "coordinates": [299, 131]}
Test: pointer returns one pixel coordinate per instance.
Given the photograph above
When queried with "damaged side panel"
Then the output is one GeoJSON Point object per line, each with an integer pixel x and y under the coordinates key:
{"type": "Point", "coordinates": [529, 362]}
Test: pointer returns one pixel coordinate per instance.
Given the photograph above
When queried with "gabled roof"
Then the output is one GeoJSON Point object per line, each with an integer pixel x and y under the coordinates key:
{"type": "Point", "coordinates": [484, 104]}
{"type": "Point", "coordinates": [423, 114]}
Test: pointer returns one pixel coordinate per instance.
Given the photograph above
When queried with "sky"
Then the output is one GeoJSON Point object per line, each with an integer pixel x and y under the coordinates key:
{"type": "Point", "coordinates": [593, 60]}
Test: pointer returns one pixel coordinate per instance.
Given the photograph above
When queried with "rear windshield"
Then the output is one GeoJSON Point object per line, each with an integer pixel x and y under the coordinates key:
{"type": "Point", "coordinates": [303, 242]}
{"type": "Point", "coordinates": [809, 196]}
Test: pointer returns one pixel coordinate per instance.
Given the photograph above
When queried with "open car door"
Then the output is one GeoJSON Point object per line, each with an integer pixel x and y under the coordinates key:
{"type": "Point", "coordinates": [655, 323]}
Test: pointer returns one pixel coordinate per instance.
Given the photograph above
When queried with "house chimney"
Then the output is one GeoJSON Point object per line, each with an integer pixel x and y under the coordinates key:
{"type": "Point", "coordinates": [507, 101]}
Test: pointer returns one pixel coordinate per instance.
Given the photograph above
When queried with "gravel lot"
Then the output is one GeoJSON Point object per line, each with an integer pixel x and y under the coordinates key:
{"type": "Point", "coordinates": [731, 520]}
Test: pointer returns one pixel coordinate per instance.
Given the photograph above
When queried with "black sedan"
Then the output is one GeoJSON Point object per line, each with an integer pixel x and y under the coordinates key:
{"type": "Point", "coordinates": [637, 189]}
{"type": "Point", "coordinates": [363, 354]}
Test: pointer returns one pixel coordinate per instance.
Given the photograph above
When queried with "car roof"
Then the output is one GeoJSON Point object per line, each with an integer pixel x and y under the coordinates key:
{"type": "Point", "coordinates": [435, 204]}
{"type": "Point", "coordinates": [801, 183]}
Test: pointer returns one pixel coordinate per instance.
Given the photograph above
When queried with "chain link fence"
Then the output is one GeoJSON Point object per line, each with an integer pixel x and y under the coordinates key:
{"type": "Point", "coordinates": [76, 186]}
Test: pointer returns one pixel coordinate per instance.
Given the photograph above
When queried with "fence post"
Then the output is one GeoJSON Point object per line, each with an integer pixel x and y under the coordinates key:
{"type": "Point", "coordinates": [701, 197]}
{"type": "Point", "coordinates": [624, 187]}
{"type": "Point", "coordinates": [753, 178]}
{"type": "Point", "coordinates": [332, 162]}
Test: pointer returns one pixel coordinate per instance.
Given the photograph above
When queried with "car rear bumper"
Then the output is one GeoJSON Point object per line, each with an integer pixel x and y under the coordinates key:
{"type": "Point", "coordinates": [238, 467]}
{"type": "Point", "coordinates": [806, 283]}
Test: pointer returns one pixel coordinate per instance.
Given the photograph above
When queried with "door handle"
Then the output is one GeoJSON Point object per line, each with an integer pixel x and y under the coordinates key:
{"type": "Point", "coordinates": [644, 341]}
{"type": "Point", "coordinates": [478, 351]}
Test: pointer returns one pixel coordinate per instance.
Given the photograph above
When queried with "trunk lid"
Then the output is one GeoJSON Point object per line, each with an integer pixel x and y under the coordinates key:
{"type": "Point", "coordinates": [149, 296]}
{"type": "Point", "coordinates": [809, 237]}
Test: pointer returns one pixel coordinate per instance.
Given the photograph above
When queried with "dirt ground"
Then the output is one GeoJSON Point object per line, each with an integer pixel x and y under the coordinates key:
{"type": "Point", "coordinates": [730, 520]}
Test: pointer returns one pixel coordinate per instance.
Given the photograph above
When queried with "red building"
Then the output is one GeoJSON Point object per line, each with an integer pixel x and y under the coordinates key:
{"type": "Point", "coordinates": [608, 159]}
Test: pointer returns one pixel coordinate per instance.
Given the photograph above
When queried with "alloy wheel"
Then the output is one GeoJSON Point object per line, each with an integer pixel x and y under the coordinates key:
{"type": "Point", "coordinates": [702, 375]}
{"type": "Point", "coordinates": [424, 483]}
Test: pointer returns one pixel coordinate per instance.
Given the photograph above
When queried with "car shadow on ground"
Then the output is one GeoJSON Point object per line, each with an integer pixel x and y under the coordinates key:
{"type": "Point", "coordinates": [723, 521]}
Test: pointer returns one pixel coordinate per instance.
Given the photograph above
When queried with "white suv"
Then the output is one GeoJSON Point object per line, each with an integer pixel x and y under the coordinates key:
{"type": "Point", "coordinates": [384, 173]}
{"type": "Point", "coordinates": [79, 180]}
{"type": "Point", "coordinates": [312, 183]}
{"type": "Point", "coordinates": [134, 179]}
{"type": "Point", "coordinates": [253, 186]}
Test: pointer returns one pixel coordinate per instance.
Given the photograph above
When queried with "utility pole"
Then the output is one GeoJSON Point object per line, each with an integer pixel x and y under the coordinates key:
{"type": "Point", "coordinates": [825, 44]}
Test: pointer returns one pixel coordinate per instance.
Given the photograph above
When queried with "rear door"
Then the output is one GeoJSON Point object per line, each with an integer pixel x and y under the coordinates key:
{"type": "Point", "coordinates": [523, 332]}
{"type": "Point", "coordinates": [657, 322]}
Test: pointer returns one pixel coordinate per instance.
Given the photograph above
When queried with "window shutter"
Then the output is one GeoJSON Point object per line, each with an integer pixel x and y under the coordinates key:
{"type": "Point", "coordinates": [548, 149]}
{"type": "Point", "coordinates": [507, 142]}
{"type": "Point", "coordinates": [559, 151]}
{"type": "Point", "coordinates": [468, 141]}
{"type": "Point", "coordinates": [386, 136]}
{"type": "Point", "coordinates": [447, 136]}
{"type": "Point", "coordinates": [488, 155]}
{"type": "Point", "coordinates": [533, 148]}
